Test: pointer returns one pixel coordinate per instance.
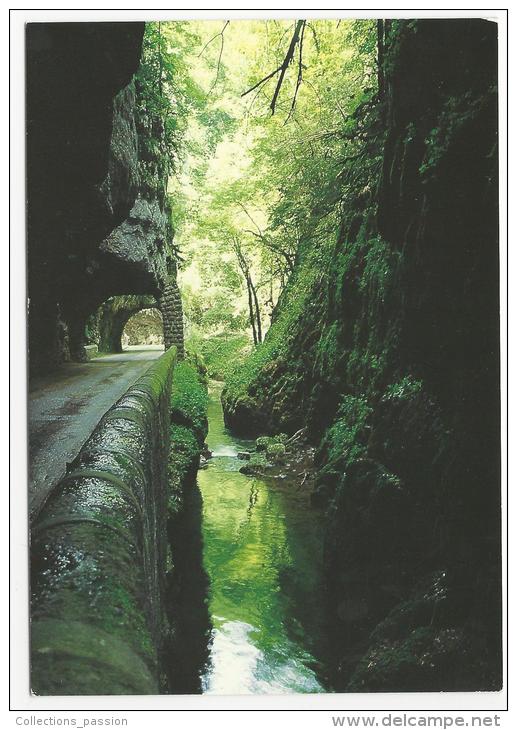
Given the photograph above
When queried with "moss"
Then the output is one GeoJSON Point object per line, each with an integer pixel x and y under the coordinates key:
{"type": "Point", "coordinates": [98, 620]}
{"type": "Point", "coordinates": [403, 389]}
{"type": "Point", "coordinates": [457, 113]}
{"type": "Point", "coordinates": [265, 443]}
{"type": "Point", "coordinates": [276, 452]}
{"type": "Point", "coordinates": [183, 452]}
{"type": "Point", "coordinates": [345, 440]}
{"type": "Point", "coordinates": [189, 400]}
{"type": "Point", "coordinates": [71, 657]}
{"type": "Point", "coordinates": [327, 351]}
{"type": "Point", "coordinates": [379, 264]}
{"type": "Point", "coordinates": [256, 464]}
{"type": "Point", "coordinates": [189, 425]}
{"type": "Point", "coordinates": [246, 390]}
{"type": "Point", "coordinates": [87, 587]}
{"type": "Point", "coordinates": [392, 665]}
{"type": "Point", "coordinates": [270, 451]}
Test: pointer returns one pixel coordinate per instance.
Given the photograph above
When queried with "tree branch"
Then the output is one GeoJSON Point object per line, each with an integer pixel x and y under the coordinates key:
{"type": "Point", "coordinates": [287, 60]}
{"type": "Point", "coordinates": [295, 40]}
{"type": "Point", "coordinates": [275, 247]}
{"type": "Point", "coordinates": [300, 73]}
{"type": "Point", "coordinates": [241, 205]}
{"type": "Point", "coordinates": [213, 39]}
{"type": "Point", "coordinates": [262, 81]}
{"type": "Point", "coordinates": [219, 59]}
{"type": "Point", "coordinates": [315, 37]}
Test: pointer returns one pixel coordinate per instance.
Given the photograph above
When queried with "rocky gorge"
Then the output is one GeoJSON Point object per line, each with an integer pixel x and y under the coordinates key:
{"type": "Point", "coordinates": [355, 545]}
{"type": "Point", "coordinates": [390, 360]}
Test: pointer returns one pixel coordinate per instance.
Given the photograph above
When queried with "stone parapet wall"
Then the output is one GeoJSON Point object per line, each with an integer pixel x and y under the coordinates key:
{"type": "Point", "coordinates": [99, 554]}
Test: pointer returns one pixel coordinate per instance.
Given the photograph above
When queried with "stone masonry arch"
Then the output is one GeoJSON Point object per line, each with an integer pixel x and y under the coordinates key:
{"type": "Point", "coordinates": [113, 315]}
{"type": "Point", "coordinates": [144, 328]}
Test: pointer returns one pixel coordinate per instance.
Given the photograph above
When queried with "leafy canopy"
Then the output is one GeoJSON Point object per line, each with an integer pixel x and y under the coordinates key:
{"type": "Point", "coordinates": [250, 190]}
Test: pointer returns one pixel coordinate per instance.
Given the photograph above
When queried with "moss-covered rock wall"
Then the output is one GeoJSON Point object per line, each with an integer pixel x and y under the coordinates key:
{"type": "Point", "coordinates": [385, 349]}
{"type": "Point", "coordinates": [99, 220]}
{"type": "Point", "coordinates": [82, 175]}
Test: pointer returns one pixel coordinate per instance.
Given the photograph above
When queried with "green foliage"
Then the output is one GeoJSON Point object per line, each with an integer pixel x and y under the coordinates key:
{"type": "Point", "coordinates": [270, 451]}
{"type": "Point", "coordinates": [262, 443]}
{"type": "Point", "coordinates": [189, 426]}
{"type": "Point", "coordinates": [366, 365]}
{"type": "Point", "coordinates": [328, 348]}
{"type": "Point", "coordinates": [183, 456]}
{"type": "Point", "coordinates": [266, 189]}
{"type": "Point", "coordinates": [166, 97]}
{"type": "Point", "coordinates": [404, 389]}
{"type": "Point", "coordinates": [258, 459]}
{"type": "Point", "coordinates": [189, 399]}
{"type": "Point", "coordinates": [221, 353]}
{"type": "Point", "coordinates": [256, 464]}
{"type": "Point", "coordinates": [211, 311]}
{"type": "Point", "coordinates": [378, 269]}
{"type": "Point", "coordinates": [457, 113]}
{"type": "Point", "coordinates": [275, 451]}
{"type": "Point", "coordinates": [282, 335]}
{"type": "Point", "coordinates": [346, 437]}
{"type": "Point", "coordinates": [269, 443]}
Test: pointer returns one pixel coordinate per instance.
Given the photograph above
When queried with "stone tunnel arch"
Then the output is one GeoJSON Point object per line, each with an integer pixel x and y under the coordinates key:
{"type": "Point", "coordinates": [145, 327]}
{"type": "Point", "coordinates": [112, 316]}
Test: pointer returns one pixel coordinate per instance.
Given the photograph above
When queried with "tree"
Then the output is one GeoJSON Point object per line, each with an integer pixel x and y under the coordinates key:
{"type": "Point", "coordinates": [268, 154]}
{"type": "Point", "coordinates": [253, 304]}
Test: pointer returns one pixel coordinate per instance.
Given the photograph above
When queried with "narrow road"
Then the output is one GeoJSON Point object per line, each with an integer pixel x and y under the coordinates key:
{"type": "Point", "coordinates": [65, 406]}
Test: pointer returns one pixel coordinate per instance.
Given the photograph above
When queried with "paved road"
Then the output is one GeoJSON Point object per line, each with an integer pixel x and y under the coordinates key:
{"type": "Point", "coordinates": [65, 407]}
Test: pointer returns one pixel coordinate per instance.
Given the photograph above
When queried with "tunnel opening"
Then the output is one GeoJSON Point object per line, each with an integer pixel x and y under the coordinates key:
{"type": "Point", "coordinates": [108, 323]}
{"type": "Point", "coordinates": [143, 328]}
{"type": "Point", "coordinates": [158, 321]}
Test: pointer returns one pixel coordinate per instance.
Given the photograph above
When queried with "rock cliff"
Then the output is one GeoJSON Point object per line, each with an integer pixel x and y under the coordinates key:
{"type": "Point", "coordinates": [96, 228]}
{"type": "Point", "coordinates": [388, 355]}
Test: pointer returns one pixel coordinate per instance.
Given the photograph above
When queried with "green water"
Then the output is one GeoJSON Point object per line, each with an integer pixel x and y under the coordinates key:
{"type": "Point", "coordinates": [263, 554]}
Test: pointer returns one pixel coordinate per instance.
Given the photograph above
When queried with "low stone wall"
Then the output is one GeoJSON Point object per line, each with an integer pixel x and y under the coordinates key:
{"type": "Point", "coordinates": [91, 351]}
{"type": "Point", "coordinates": [99, 554]}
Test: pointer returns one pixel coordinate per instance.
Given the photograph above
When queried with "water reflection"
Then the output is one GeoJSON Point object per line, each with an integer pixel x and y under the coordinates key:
{"type": "Point", "coordinates": [262, 551]}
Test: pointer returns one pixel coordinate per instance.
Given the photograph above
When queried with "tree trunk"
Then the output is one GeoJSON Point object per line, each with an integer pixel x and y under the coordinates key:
{"type": "Point", "coordinates": [250, 306]}
{"type": "Point", "coordinates": [253, 306]}
{"type": "Point", "coordinates": [380, 58]}
{"type": "Point", "coordinates": [257, 311]}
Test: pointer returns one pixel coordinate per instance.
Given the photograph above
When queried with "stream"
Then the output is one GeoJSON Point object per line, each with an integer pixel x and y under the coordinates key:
{"type": "Point", "coordinates": [262, 544]}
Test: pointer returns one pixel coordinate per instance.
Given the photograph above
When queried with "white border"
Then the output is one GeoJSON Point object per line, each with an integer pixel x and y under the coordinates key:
{"type": "Point", "coordinates": [339, 703]}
